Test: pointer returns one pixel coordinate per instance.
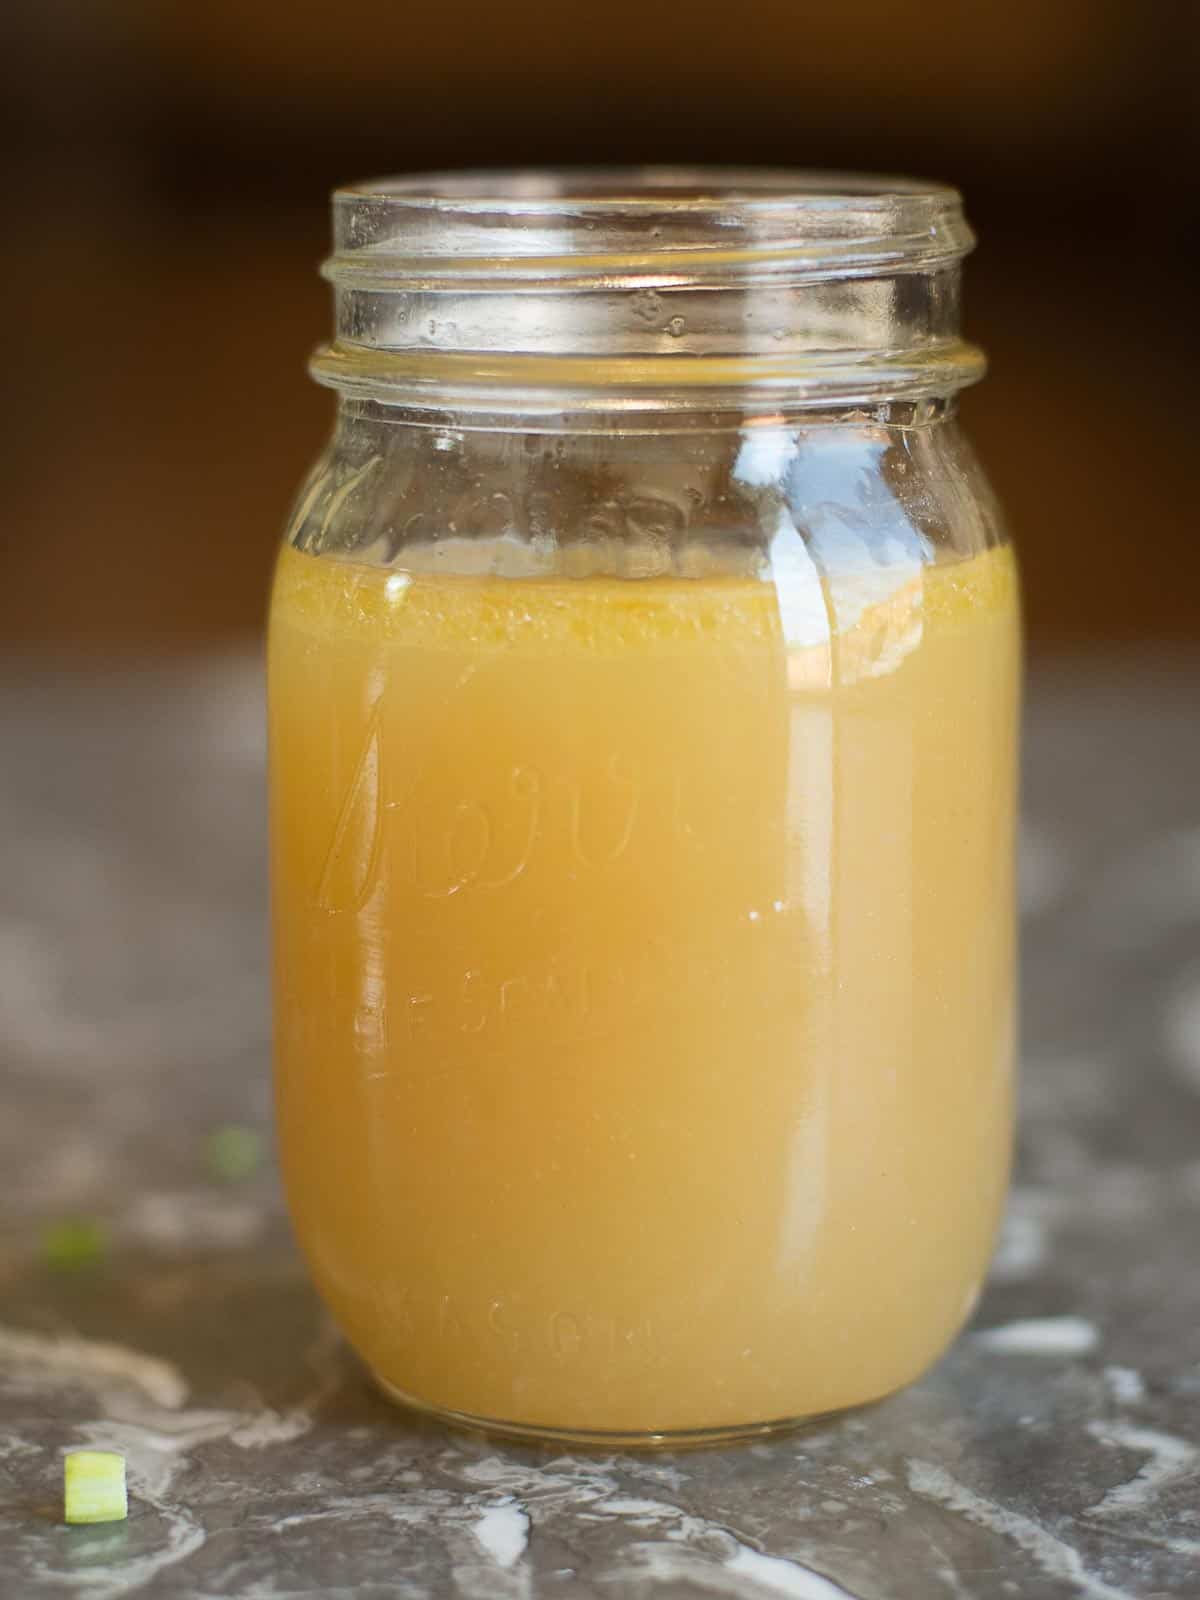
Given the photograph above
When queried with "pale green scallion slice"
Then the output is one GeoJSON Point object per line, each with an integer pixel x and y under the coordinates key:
{"type": "Point", "coordinates": [94, 1486]}
{"type": "Point", "coordinates": [234, 1153]}
{"type": "Point", "coordinates": [73, 1243]}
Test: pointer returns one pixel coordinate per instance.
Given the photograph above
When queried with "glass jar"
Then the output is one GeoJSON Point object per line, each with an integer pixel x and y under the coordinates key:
{"type": "Point", "coordinates": [644, 694]}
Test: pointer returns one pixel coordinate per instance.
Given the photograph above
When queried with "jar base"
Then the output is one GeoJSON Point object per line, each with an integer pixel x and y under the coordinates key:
{"type": "Point", "coordinates": [594, 1438]}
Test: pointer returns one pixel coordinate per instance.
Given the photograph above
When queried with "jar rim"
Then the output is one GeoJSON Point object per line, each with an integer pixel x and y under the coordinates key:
{"type": "Point", "coordinates": [583, 227]}
{"type": "Point", "coordinates": [588, 282]}
{"type": "Point", "coordinates": [604, 189]}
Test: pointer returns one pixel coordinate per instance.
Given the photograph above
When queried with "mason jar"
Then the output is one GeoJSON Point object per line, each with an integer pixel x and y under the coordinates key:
{"type": "Point", "coordinates": [643, 705]}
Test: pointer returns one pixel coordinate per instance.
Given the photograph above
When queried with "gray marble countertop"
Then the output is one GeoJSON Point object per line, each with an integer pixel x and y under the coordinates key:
{"type": "Point", "coordinates": [1054, 1452]}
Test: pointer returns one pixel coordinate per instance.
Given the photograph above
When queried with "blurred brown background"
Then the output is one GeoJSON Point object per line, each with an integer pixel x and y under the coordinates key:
{"type": "Point", "coordinates": [166, 170]}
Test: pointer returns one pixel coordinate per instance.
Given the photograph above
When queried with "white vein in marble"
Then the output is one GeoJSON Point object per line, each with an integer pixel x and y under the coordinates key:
{"type": "Point", "coordinates": [1052, 1554]}
{"type": "Point", "coordinates": [1042, 1336]}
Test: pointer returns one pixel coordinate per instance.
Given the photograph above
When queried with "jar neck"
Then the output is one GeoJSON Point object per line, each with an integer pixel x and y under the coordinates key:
{"type": "Point", "coordinates": [628, 294]}
{"type": "Point", "coordinates": [747, 413]}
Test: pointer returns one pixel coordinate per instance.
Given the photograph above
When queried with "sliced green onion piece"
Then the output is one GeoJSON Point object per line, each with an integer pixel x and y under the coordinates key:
{"type": "Point", "coordinates": [74, 1242]}
{"type": "Point", "coordinates": [94, 1486]}
{"type": "Point", "coordinates": [234, 1153]}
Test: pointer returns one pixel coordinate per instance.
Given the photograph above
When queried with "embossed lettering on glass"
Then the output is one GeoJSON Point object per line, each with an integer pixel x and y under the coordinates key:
{"type": "Point", "coordinates": [644, 687]}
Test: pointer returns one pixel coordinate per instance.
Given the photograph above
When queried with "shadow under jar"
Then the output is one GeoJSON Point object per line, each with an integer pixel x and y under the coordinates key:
{"type": "Point", "coordinates": [644, 690]}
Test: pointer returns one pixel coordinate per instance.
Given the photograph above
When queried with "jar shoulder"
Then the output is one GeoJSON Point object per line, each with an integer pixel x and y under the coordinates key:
{"type": "Point", "coordinates": [853, 490]}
